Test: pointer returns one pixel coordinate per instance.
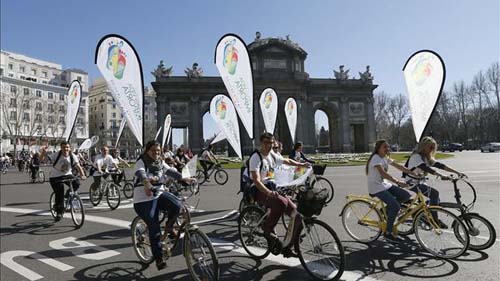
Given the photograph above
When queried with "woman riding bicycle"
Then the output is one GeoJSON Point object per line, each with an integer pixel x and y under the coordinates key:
{"type": "Point", "coordinates": [208, 160]}
{"type": "Point", "coordinates": [392, 195]}
{"type": "Point", "coordinates": [62, 168]}
{"type": "Point", "coordinates": [152, 171]}
{"type": "Point", "coordinates": [181, 159]}
{"type": "Point", "coordinates": [421, 161]}
{"type": "Point", "coordinates": [261, 166]}
{"type": "Point", "coordinates": [298, 155]}
{"type": "Point", "coordinates": [102, 163]}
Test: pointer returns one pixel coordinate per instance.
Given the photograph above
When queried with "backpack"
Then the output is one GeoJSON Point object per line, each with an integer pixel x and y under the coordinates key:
{"type": "Point", "coordinates": [70, 159]}
{"type": "Point", "coordinates": [407, 164]}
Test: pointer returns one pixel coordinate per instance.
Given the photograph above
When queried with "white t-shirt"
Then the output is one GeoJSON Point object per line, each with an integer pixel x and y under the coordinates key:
{"type": "Point", "coordinates": [269, 163]}
{"type": "Point", "coordinates": [168, 154]}
{"type": "Point", "coordinates": [139, 193]}
{"type": "Point", "coordinates": [376, 183]}
{"type": "Point", "coordinates": [105, 162]}
{"type": "Point", "coordinates": [206, 155]}
{"type": "Point", "coordinates": [63, 166]}
{"type": "Point", "coordinates": [415, 161]}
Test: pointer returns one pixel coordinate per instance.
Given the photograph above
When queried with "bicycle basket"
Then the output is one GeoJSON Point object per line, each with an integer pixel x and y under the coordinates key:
{"type": "Point", "coordinates": [312, 201]}
{"type": "Point", "coordinates": [319, 169]}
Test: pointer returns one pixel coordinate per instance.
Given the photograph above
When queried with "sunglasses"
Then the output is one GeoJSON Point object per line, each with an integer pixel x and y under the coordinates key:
{"type": "Point", "coordinates": [275, 147]}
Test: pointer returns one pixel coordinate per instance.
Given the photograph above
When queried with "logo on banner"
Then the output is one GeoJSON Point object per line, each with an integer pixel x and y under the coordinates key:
{"type": "Point", "coordinates": [299, 172]}
{"type": "Point", "coordinates": [116, 61]}
{"type": "Point", "coordinates": [221, 108]}
{"type": "Point", "coordinates": [289, 108]}
{"type": "Point", "coordinates": [422, 71]}
{"type": "Point", "coordinates": [74, 94]}
{"type": "Point", "coordinates": [230, 57]}
{"type": "Point", "coordinates": [268, 99]}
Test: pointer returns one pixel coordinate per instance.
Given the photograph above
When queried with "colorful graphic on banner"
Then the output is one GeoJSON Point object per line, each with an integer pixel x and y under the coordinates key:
{"type": "Point", "coordinates": [119, 63]}
{"type": "Point", "coordinates": [233, 63]}
{"type": "Point", "coordinates": [219, 137]}
{"type": "Point", "coordinates": [86, 144]}
{"type": "Point", "coordinates": [269, 107]}
{"type": "Point", "coordinates": [424, 74]}
{"type": "Point", "coordinates": [291, 116]}
{"type": "Point", "coordinates": [189, 170]}
{"type": "Point", "coordinates": [290, 175]}
{"type": "Point", "coordinates": [94, 140]}
{"type": "Point", "coordinates": [73, 104]}
{"type": "Point", "coordinates": [120, 131]}
{"type": "Point", "coordinates": [166, 128]}
{"type": "Point", "coordinates": [227, 122]}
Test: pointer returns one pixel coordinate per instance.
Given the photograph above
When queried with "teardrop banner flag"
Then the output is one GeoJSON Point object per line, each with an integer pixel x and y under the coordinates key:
{"type": "Point", "coordinates": [158, 133]}
{"type": "Point", "coordinates": [425, 74]}
{"type": "Point", "coordinates": [190, 169]}
{"type": "Point", "coordinates": [73, 104]}
{"type": "Point", "coordinates": [224, 114]}
{"type": "Point", "coordinates": [94, 140]}
{"type": "Point", "coordinates": [87, 144]}
{"type": "Point", "coordinates": [120, 131]}
{"type": "Point", "coordinates": [119, 63]}
{"type": "Point", "coordinates": [166, 128]}
{"type": "Point", "coordinates": [291, 116]}
{"type": "Point", "coordinates": [219, 137]}
{"type": "Point", "coordinates": [233, 63]}
{"type": "Point", "coordinates": [169, 135]}
{"type": "Point", "coordinates": [269, 106]}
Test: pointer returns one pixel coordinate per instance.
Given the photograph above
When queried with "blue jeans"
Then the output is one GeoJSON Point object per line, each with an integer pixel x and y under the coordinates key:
{"type": "Point", "coordinates": [429, 192]}
{"type": "Point", "coordinates": [392, 197]}
{"type": "Point", "coordinates": [148, 211]}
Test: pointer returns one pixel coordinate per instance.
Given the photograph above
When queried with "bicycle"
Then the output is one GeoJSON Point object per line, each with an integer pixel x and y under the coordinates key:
{"type": "Point", "coordinates": [127, 186]}
{"type": "Point", "coordinates": [107, 188]}
{"type": "Point", "coordinates": [318, 248]}
{"type": "Point", "coordinates": [198, 251]}
{"type": "Point", "coordinates": [4, 168]}
{"type": "Point", "coordinates": [475, 223]}
{"type": "Point", "coordinates": [220, 175]}
{"type": "Point", "coordinates": [72, 203]}
{"type": "Point", "coordinates": [365, 218]}
{"type": "Point", "coordinates": [39, 177]}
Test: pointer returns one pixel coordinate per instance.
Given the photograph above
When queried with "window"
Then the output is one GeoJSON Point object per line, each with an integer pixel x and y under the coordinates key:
{"type": "Point", "coordinates": [13, 103]}
{"type": "Point", "coordinates": [61, 107]}
{"type": "Point", "coordinates": [39, 93]}
{"type": "Point", "coordinates": [33, 71]}
{"type": "Point", "coordinates": [38, 106]}
{"type": "Point", "coordinates": [26, 91]}
{"type": "Point", "coordinates": [62, 119]}
{"type": "Point", "coordinates": [50, 95]}
{"type": "Point", "coordinates": [39, 129]}
{"type": "Point", "coordinates": [61, 96]}
{"type": "Point", "coordinates": [50, 107]}
{"type": "Point", "coordinates": [13, 89]}
{"type": "Point", "coordinates": [21, 68]}
{"type": "Point", "coordinates": [26, 104]}
{"type": "Point", "coordinates": [114, 115]}
{"type": "Point", "coordinates": [114, 105]}
{"type": "Point", "coordinates": [11, 75]}
{"type": "Point", "coordinates": [38, 118]}
{"type": "Point", "coordinates": [22, 77]}
{"type": "Point", "coordinates": [1, 71]}
{"type": "Point", "coordinates": [13, 115]}
{"type": "Point", "coordinates": [50, 119]}
{"type": "Point", "coordinates": [26, 117]}
{"type": "Point", "coordinates": [44, 74]}
{"type": "Point", "coordinates": [11, 66]}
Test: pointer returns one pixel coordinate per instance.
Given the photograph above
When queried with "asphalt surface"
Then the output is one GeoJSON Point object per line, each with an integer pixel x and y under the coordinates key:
{"type": "Point", "coordinates": [34, 247]}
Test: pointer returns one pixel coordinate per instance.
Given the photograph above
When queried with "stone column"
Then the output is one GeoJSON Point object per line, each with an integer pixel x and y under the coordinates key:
{"type": "Point", "coordinates": [371, 123]}
{"type": "Point", "coordinates": [195, 125]}
{"type": "Point", "coordinates": [346, 128]}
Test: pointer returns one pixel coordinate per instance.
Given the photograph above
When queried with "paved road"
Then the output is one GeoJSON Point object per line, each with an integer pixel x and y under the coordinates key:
{"type": "Point", "coordinates": [102, 250]}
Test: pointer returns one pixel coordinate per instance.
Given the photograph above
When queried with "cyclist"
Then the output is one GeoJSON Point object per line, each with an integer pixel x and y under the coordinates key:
{"type": "Point", "coordinates": [208, 160]}
{"type": "Point", "coordinates": [102, 163]}
{"type": "Point", "coordinates": [62, 167]}
{"type": "Point", "coordinates": [117, 178]}
{"type": "Point", "coordinates": [152, 171]}
{"type": "Point", "coordinates": [35, 165]}
{"type": "Point", "coordinates": [167, 153]}
{"type": "Point", "coordinates": [377, 176]}
{"type": "Point", "coordinates": [278, 147]}
{"type": "Point", "coordinates": [261, 166]}
{"type": "Point", "coordinates": [421, 161]}
{"type": "Point", "coordinates": [180, 159]}
{"type": "Point", "coordinates": [298, 155]}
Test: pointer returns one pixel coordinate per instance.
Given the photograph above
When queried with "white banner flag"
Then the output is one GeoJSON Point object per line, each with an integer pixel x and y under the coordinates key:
{"type": "Point", "coordinates": [424, 75]}
{"type": "Point", "coordinates": [190, 169]}
{"type": "Point", "coordinates": [233, 63]}
{"type": "Point", "coordinates": [120, 131]}
{"type": "Point", "coordinates": [86, 144]}
{"type": "Point", "coordinates": [269, 106]}
{"type": "Point", "coordinates": [290, 175]}
{"type": "Point", "coordinates": [220, 136]}
{"type": "Point", "coordinates": [119, 63]}
{"type": "Point", "coordinates": [73, 104]}
{"type": "Point", "coordinates": [169, 135]}
{"type": "Point", "coordinates": [158, 133]}
{"type": "Point", "coordinates": [166, 129]}
{"type": "Point", "coordinates": [94, 140]}
{"type": "Point", "coordinates": [224, 114]}
{"type": "Point", "coordinates": [291, 116]}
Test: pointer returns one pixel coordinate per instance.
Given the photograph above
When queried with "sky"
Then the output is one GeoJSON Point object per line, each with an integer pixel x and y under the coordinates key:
{"type": "Point", "coordinates": [382, 34]}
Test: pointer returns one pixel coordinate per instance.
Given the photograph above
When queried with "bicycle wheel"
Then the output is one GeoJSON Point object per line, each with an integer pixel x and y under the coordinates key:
{"type": "Point", "coordinates": [77, 211]}
{"type": "Point", "coordinates": [438, 240]}
{"type": "Point", "coordinates": [221, 177]}
{"type": "Point", "coordinates": [140, 240]}
{"type": "Point", "coordinates": [361, 221]}
{"type": "Point", "coordinates": [325, 184]}
{"type": "Point", "coordinates": [251, 234]}
{"type": "Point", "coordinates": [320, 251]}
{"type": "Point", "coordinates": [95, 195]}
{"type": "Point", "coordinates": [113, 196]}
{"type": "Point", "coordinates": [404, 227]}
{"type": "Point", "coordinates": [481, 232]}
{"type": "Point", "coordinates": [128, 190]}
{"type": "Point", "coordinates": [41, 177]}
{"type": "Point", "coordinates": [200, 256]}
{"type": "Point", "coordinates": [200, 176]}
{"type": "Point", "coordinates": [52, 204]}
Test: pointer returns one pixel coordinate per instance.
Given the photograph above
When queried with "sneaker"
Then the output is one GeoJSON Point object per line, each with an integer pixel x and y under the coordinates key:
{"type": "Point", "coordinates": [391, 238]}
{"type": "Point", "coordinates": [441, 224]}
{"type": "Point", "coordinates": [160, 263]}
{"type": "Point", "coordinates": [58, 217]}
{"type": "Point", "coordinates": [288, 253]}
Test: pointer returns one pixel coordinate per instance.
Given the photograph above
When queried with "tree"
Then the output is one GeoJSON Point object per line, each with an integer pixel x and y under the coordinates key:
{"type": "Point", "coordinates": [397, 112]}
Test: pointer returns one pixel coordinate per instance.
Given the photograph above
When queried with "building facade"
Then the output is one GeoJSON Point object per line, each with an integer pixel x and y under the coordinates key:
{"type": "Point", "coordinates": [33, 101]}
{"type": "Point", "coordinates": [280, 64]}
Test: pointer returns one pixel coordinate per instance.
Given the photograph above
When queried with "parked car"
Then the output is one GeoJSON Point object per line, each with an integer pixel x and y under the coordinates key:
{"type": "Point", "coordinates": [491, 147]}
{"type": "Point", "coordinates": [452, 147]}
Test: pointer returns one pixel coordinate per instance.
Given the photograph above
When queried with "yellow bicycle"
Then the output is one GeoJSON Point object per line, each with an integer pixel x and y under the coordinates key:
{"type": "Point", "coordinates": [437, 230]}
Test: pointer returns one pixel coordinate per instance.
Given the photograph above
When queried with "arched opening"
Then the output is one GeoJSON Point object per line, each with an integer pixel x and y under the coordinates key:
{"type": "Point", "coordinates": [322, 131]}
{"type": "Point", "coordinates": [180, 136]}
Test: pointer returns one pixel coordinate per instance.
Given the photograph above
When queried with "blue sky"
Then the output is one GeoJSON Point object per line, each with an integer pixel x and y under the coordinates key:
{"type": "Point", "coordinates": [382, 34]}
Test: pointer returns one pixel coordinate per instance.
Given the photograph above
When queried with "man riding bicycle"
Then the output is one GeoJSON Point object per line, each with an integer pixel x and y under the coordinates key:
{"type": "Point", "coordinates": [102, 163]}
{"type": "Point", "coordinates": [35, 165]}
{"type": "Point", "coordinates": [62, 167]}
{"type": "Point", "coordinates": [117, 178]}
{"type": "Point", "coordinates": [208, 160]}
{"type": "Point", "coordinates": [261, 167]}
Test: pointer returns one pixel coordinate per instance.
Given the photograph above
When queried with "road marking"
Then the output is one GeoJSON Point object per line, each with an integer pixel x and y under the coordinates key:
{"type": "Point", "coordinates": [488, 181]}
{"type": "Point", "coordinates": [78, 249]}
{"type": "Point", "coordinates": [7, 259]}
{"type": "Point", "coordinates": [347, 275]}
